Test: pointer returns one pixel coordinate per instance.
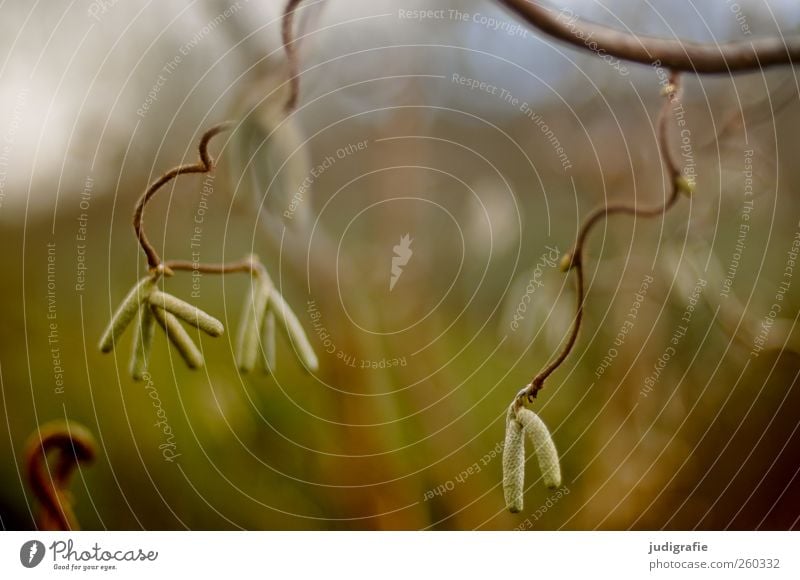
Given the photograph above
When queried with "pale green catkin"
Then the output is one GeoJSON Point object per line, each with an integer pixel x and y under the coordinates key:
{"type": "Point", "coordinates": [247, 334]}
{"type": "Point", "coordinates": [125, 313]}
{"type": "Point", "coordinates": [513, 463]}
{"type": "Point", "coordinates": [250, 325]}
{"type": "Point", "coordinates": [142, 342]}
{"type": "Point", "coordinates": [187, 312]}
{"type": "Point", "coordinates": [543, 445]}
{"type": "Point", "coordinates": [294, 330]}
{"type": "Point", "coordinates": [179, 337]}
{"type": "Point", "coordinates": [268, 342]}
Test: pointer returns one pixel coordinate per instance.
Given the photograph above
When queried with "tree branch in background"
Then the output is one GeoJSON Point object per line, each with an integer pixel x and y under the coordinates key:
{"type": "Point", "coordinates": [678, 55]}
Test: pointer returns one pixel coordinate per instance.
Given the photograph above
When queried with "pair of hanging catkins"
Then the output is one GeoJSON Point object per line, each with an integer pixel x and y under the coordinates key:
{"type": "Point", "coordinates": [522, 422]}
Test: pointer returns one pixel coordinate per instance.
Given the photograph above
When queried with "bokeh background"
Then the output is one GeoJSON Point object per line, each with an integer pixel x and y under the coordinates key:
{"type": "Point", "coordinates": [401, 427]}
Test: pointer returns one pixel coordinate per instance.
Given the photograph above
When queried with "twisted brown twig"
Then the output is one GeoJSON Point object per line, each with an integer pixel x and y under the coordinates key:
{"type": "Point", "coordinates": [290, 47]}
{"type": "Point", "coordinates": [71, 444]}
{"type": "Point", "coordinates": [574, 259]}
{"type": "Point", "coordinates": [244, 265]}
{"type": "Point", "coordinates": [148, 305]}
{"type": "Point", "coordinates": [205, 165]}
{"type": "Point", "coordinates": [678, 55]}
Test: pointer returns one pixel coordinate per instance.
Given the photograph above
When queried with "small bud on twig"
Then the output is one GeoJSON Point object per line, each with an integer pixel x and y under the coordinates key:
{"type": "Point", "coordinates": [684, 185]}
{"type": "Point", "coordinates": [566, 263]}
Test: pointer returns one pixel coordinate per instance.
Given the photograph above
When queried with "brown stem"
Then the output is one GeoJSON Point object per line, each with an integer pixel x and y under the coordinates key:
{"type": "Point", "coordinates": [245, 265]}
{"type": "Point", "coordinates": [574, 260]}
{"type": "Point", "coordinates": [290, 46]}
{"type": "Point", "coordinates": [71, 444]}
{"type": "Point", "coordinates": [677, 55]}
{"type": "Point", "coordinates": [205, 165]}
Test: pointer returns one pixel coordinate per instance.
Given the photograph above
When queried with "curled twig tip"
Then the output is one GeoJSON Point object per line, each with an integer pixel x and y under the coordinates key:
{"type": "Point", "coordinates": [204, 165]}
{"type": "Point", "coordinates": [67, 444]}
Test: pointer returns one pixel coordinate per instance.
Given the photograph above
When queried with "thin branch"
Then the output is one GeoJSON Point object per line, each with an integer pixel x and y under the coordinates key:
{"type": "Point", "coordinates": [71, 444]}
{"type": "Point", "coordinates": [574, 260]}
{"type": "Point", "coordinates": [678, 55]}
{"type": "Point", "coordinates": [205, 165]}
{"type": "Point", "coordinates": [245, 265]}
{"type": "Point", "coordinates": [290, 45]}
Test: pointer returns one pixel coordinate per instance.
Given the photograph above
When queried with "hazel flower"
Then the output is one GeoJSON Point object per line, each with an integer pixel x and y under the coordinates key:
{"type": "Point", "coordinates": [156, 307]}
{"type": "Point", "coordinates": [264, 309]}
{"type": "Point", "coordinates": [519, 423]}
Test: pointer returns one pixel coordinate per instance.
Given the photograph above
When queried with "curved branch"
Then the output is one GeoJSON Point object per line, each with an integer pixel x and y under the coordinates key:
{"type": "Point", "coordinates": [71, 444]}
{"type": "Point", "coordinates": [574, 260]}
{"type": "Point", "coordinates": [677, 55]}
{"type": "Point", "coordinates": [205, 165]}
{"type": "Point", "coordinates": [290, 46]}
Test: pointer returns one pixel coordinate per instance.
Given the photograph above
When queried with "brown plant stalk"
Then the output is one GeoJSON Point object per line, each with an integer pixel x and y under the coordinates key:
{"type": "Point", "coordinates": [674, 54]}
{"type": "Point", "coordinates": [574, 259]}
{"type": "Point", "coordinates": [69, 444]}
{"type": "Point", "coordinates": [290, 46]}
{"type": "Point", "coordinates": [206, 164]}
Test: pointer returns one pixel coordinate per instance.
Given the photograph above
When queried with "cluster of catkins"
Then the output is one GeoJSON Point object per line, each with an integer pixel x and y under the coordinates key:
{"type": "Point", "coordinates": [263, 312]}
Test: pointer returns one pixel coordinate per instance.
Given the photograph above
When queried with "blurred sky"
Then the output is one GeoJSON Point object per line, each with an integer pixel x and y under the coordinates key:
{"type": "Point", "coordinates": [74, 74]}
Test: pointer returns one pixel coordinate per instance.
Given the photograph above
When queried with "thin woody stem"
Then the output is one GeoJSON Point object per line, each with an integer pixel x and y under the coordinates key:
{"type": "Point", "coordinates": [205, 165]}
{"type": "Point", "coordinates": [154, 262]}
{"type": "Point", "coordinates": [246, 265]}
{"type": "Point", "coordinates": [575, 258]}
{"type": "Point", "coordinates": [290, 45]}
{"type": "Point", "coordinates": [71, 444]}
{"type": "Point", "coordinates": [675, 54]}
